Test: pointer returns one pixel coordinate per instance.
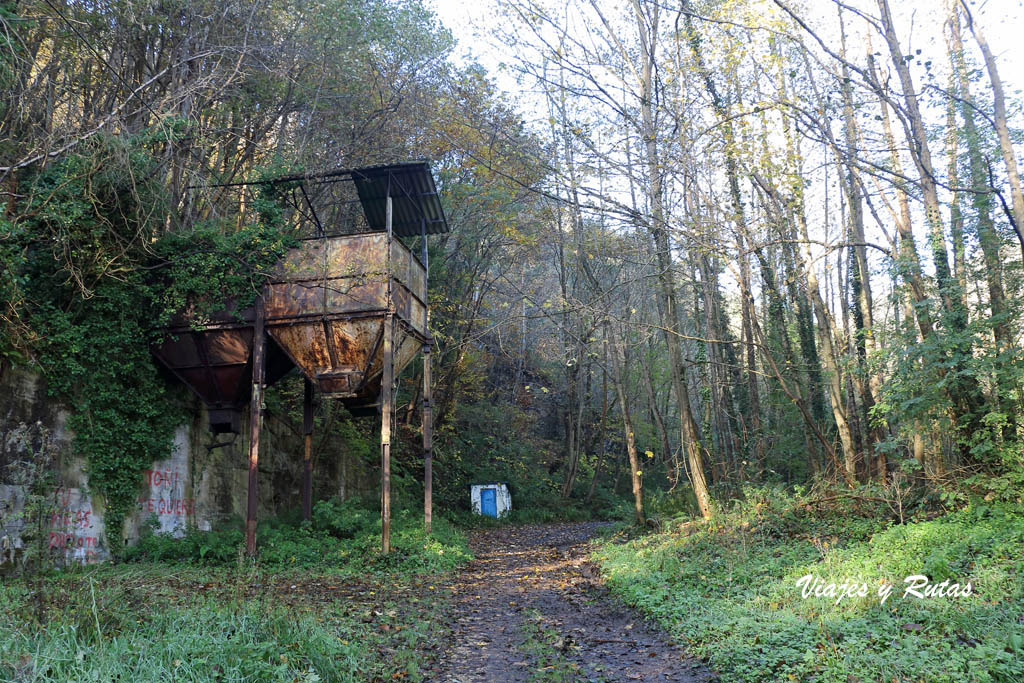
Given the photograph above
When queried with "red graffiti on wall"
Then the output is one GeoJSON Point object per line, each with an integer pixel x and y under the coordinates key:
{"type": "Point", "coordinates": [161, 478]}
{"type": "Point", "coordinates": [78, 519]}
{"type": "Point", "coordinates": [165, 487]}
{"type": "Point", "coordinates": [177, 507]}
{"type": "Point", "coordinates": [71, 522]}
{"type": "Point", "coordinates": [70, 541]}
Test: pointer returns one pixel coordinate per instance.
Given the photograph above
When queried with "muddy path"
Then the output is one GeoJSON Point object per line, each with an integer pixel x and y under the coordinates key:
{"type": "Point", "coordinates": [530, 607]}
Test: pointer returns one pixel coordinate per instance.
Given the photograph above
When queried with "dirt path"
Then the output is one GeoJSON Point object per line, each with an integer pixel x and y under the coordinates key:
{"type": "Point", "coordinates": [531, 607]}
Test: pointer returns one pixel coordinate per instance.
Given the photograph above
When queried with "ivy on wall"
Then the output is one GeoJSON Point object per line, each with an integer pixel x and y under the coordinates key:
{"type": "Point", "coordinates": [88, 278]}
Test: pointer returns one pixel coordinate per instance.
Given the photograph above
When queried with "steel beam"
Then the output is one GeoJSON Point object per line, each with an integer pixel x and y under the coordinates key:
{"type": "Point", "coordinates": [386, 387]}
{"type": "Point", "coordinates": [255, 420]}
{"type": "Point", "coordinates": [428, 442]}
{"type": "Point", "coordinates": [307, 459]}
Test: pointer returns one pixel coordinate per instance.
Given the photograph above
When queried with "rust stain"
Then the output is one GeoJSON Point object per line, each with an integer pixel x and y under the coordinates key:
{"type": "Point", "coordinates": [305, 344]}
{"type": "Point", "coordinates": [290, 299]}
{"type": "Point", "coordinates": [228, 346]}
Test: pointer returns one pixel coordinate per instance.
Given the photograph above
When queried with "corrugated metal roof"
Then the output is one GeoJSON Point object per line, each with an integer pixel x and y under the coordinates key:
{"type": "Point", "coordinates": [415, 204]}
{"type": "Point", "coordinates": [326, 201]}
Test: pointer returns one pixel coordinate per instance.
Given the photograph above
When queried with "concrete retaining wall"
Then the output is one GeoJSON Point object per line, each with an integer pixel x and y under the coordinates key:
{"type": "Point", "coordinates": [203, 483]}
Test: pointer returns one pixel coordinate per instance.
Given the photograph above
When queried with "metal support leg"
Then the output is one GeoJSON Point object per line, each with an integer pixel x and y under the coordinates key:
{"type": "Point", "coordinates": [307, 459]}
{"type": "Point", "coordinates": [428, 442]}
{"type": "Point", "coordinates": [387, 381]}
{"type": "Point", "coordinates": [255, 420]}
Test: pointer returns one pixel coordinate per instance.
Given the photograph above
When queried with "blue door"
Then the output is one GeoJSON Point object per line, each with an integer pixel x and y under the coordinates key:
{"type": "Point", "coordinates": [489, 502]}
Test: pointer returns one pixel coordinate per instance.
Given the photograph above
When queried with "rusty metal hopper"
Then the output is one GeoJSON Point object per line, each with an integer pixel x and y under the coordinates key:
{"type": "Point", "coordinates": [215, 362]}
{"type": "Point", "coordinates": [325, 308]}
{"type": "Point", "coordinates": [348, 308]}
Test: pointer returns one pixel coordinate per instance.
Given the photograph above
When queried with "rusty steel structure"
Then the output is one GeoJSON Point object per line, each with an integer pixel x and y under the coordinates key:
{"type": "Point", "coordinates": [326, 305]}
{"type": "Point", "coordinates": [347, 307]}
{"type": "Point", "coordinates": [215, 361]}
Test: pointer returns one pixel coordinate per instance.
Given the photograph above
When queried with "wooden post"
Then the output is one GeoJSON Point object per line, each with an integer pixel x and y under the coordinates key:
{"type": "Point", "coordinates": [386, 383]}
{"type": "Point", "coordinates": [307, 459]}
{"type": "Point", "coordinates": [428, 442]}
{"type": "Point", "coordinates": [255, 418]}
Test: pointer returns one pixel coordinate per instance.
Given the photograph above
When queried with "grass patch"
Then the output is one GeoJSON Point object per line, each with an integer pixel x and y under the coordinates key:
{"type": "Point", "coordinates": [204, 643]}
{"type": "Point", "coordinates": [343, 538]}
{"type": "Point", "coordinates": [320, 604]}
{"type": "Point", "coordinates": [153, 623]}
{"type": "Point", "coordinates": [729, 589]}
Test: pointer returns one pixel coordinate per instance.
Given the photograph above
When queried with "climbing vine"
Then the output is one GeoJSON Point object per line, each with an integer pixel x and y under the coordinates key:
{"type": "Point", "coordinates": [90, 278]}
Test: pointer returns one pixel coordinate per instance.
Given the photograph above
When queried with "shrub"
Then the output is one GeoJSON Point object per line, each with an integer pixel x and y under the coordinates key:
{"type": "Point", "coordinates": [342, 537]}
{"type": "Point", "coordinates": [729, 588]}
{"type": "Point", "coordinates": [216, 547]}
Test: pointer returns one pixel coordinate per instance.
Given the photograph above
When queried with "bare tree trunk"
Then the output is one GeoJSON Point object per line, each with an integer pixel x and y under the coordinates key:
{"type": "Point", "coordinates": [521, 360]}
{"type": "Point", "coordinates": [716, 376]}
{"type": "Point", "coordinates": [652, 402]}
{"type": "Point", "coordinates": [909, 263]}
{"type": "Point", "coordinates": [860, 278]}
{"type": "Point", "coordinates": [792, 392]}
{"type": "Point", "coordinates": [618, 363]}
{"type": "Point", "coordinates": [829, 357]}
{"type": "Point", "coordinates": [988, 237]}
{"type": "Point", "coordinates": [690, 433]}
{"type": "Point", "coordinates": [571, 347]}
{"type": "Point", "coordinates": [1002, 130]}
{"type": "Point", "coordinates": [956, 216]}
{"type": "Point", "coordinates": [601, 430]}
{"type": "Point", "coordinates": [738, 218]}
{"type": "Point", "coordinates": [747, 315]}
{"type": "Point", "coordinates": [952, 297]}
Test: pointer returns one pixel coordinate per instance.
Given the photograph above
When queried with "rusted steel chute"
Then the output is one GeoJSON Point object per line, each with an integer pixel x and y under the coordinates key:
{"type": "Point", "coordinates": [347, 307]}
{"type": "Point", "coordinates": [215, 361]}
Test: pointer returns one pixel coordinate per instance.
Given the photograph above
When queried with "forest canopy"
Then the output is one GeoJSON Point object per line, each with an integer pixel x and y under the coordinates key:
{"type": "Point", "coordinates": [720, 242]}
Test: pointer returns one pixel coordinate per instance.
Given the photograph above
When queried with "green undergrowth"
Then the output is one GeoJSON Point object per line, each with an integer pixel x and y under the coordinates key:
{"type": "Point", "coordinates": [343, 538]}
{"type": "Point", "coordinates": [729, 589]}
{"type": "Point", "coordinates": [204, 643]}
{"type": "Point", "coordinates": [319, 603]}
{"type": "Point", "coordinates": [156, 623]}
